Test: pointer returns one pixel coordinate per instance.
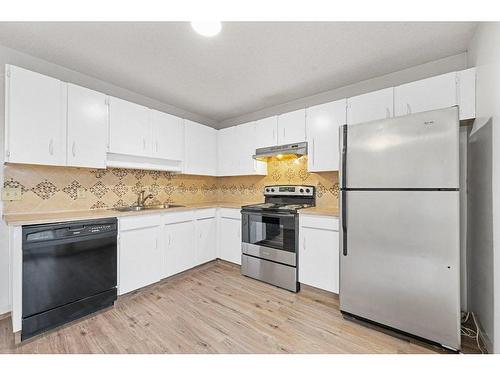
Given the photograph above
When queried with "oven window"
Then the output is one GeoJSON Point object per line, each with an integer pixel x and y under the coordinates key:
{"type": "Point", "coordinates": [272, 231]}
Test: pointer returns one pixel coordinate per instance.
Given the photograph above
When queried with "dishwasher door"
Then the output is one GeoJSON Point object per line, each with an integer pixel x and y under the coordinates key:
{"type": "Point", "coordinates": [67, 262]}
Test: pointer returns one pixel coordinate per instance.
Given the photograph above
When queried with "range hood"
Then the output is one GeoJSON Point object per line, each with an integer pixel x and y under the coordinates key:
{"type": "Point", "coordinates": [292, 150]}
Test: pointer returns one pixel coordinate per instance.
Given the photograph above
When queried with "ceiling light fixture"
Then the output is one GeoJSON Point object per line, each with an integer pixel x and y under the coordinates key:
{"type": "Point", "coordinates": [207, 28]}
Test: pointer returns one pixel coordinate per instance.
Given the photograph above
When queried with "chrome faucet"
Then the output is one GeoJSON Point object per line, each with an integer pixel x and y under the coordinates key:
{"type": "Point", "coordinates": [141, 199]}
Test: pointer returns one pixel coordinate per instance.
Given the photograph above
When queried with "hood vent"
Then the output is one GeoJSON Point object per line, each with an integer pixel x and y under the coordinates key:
{"type": "Point", "coordinates": [293, 150]}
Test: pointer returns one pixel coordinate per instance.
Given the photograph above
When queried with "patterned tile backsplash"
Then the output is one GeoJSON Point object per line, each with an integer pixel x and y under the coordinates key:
{"type": "Point", "coordinates": [46, 189]}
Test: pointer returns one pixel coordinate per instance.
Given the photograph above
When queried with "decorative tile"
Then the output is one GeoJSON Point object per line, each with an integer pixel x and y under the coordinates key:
{"type": "Point", "coordinates": [181, 188]}
{"type": "Point", "coordinates": [154, 189]}
{"type": "Point", "coordinates": [303, 174]}
{"type": "Point", "coordinates": [320, 190]}
{"type": "Point", "coordinates": [139, 173]}
{"type": "Point", "coordinates": [155, 175]}
{"type": "Point", "coordinates": [276, 175]}
{"type": "Point", "coordinates": [169, 189]}
{"type": "Point", "coordinates": [11, 183]}
{"type": "Point", "coordinates": [72, 189]}
{"type": "Point", "coordinates": [99, 173]}
{"type": "Point", "coordinates": [120, 173]}
{"type": "Point", "coordinates": [99, 189]}
{"type": "Point", "coordinates": [45, 189]}
{"type": "Point", "coordinates": [119, 203]}
{"type": "Point", "coordinates": [193, 189]}
{"type": "Point", "coordinates": [138, 187]}
{"type": "Point", "coordinates": [335, 190]}
{"type": "Point", "coordinates": [290, 175]}
{"type": "Point", "coordinates": [98, 204]}
{"type": "Point", "coordinates": [120, 189]}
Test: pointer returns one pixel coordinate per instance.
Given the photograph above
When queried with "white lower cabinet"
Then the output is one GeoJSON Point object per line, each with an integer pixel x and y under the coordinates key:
{"type": "Point", "coordinates": [206, 237]}
{"type": "Point", "coordinates": [230, 235]}
{"type": "Point", "coordinates": [319, 252]}
{"type": "Point", "coordinates": [180, 247]}
{"type": "Point", "coordinates": [139, 253]}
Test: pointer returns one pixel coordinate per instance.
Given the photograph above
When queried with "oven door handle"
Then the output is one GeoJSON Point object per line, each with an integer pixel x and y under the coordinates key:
{"type": "Point", "coordinates": [265, 214]}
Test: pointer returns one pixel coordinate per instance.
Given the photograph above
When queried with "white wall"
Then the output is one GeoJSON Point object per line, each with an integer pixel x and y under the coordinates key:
{"type": "Point", "coordinates": [433, 68]}
{"type": "Point", "coordinates": [484, 53]}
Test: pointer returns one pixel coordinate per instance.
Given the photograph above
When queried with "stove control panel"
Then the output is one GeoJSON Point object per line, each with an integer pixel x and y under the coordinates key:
{"type": "Point", "coordinates": [295, 190]}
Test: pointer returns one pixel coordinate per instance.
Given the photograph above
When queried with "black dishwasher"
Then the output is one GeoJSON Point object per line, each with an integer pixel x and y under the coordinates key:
{"type": "Point", "coordinates": [69, 271]}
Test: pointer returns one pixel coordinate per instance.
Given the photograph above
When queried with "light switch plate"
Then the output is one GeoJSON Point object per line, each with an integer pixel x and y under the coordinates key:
{"type": "Point", "coordinates": [11, 194]}
{"type": "Point", "coordinates": [81, 193]}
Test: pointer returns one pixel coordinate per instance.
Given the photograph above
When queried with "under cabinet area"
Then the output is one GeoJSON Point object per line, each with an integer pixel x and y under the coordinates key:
{"type": "Point", "coordinates": [319, 252]}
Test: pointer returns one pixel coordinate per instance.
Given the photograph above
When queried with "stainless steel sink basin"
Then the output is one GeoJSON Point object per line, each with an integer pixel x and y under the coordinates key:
{"type": "Point", "coordinates": [145, 208]}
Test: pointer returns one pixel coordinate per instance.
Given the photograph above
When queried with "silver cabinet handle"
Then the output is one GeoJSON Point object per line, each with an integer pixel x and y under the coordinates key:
{"type": "Point", "coordinates": [284, 133]}
{"type": "Point", "coordinates": [387, 112]}
{"type": "Point", "coordinates": [408, 108]}
{"type": "Point", "coordinates": [304, 243]}
{"type": "Point", "coordinates": [73, 149]}
{"type": "Point", "coordinates": [169, 240]}
{"type": "Point", "coordinates": [156, 243]}
{"type": "Point", "coordinates": [274, 137]}
{"type": "Point", "coordinates": [156, 143]}
{"type": "Point", "coordinates": [314, 152]}
{"type": "Point", "coordinates": [51, 147]}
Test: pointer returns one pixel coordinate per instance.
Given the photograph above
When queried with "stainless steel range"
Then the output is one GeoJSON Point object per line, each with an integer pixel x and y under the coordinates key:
{"type": "Point", "coordinates": [270, 235]}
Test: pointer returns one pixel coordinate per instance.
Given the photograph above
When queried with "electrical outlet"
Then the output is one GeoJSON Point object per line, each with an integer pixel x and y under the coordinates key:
{"type": "Point", "coordinates": [11, 194]}
{"type": "Point", "coordinates": [81, 193]}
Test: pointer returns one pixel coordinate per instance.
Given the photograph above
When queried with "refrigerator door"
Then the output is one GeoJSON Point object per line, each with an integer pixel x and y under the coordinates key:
{"type": "Point", "coordinates": [414, 151]}
{"type": "Point", "coordinates": [400, 265]}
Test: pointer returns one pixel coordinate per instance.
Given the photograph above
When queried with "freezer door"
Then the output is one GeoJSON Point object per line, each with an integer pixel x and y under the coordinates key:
{"type": "Point", "coordinates": [414, 151]}
{"type": "Point", "coordinates": [400, 266]}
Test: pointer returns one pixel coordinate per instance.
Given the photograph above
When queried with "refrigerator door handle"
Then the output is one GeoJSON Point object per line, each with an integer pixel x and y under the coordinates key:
{"type": "Point", "coordinates": [344, 222]}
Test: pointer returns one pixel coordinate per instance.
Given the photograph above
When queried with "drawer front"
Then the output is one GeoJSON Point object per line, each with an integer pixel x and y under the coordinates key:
{"type": "Point", "coordinates": [178, 217]}
{"type": "Point", "coordinates": [135, 222]}
{"type": "Point", "coordinates": [319, 222]}
{"type": "Point", "coordinates": [205, 213]}
{"type": "Point", "coordinates": [230, 213]}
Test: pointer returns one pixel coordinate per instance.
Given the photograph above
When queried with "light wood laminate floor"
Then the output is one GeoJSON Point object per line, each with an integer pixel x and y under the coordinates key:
{"type": "Point", "coordinates": [213, 309]}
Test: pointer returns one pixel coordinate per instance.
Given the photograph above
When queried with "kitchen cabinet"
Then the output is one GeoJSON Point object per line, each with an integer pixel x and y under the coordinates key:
{"type": "Point", "coordinates": [372, 106]}
{"type": "Point", "coordinates": [426, 95]}
{"type": "Point", "coordinates": [129, 128]}
{"type": "Point", "coordinates": [87, 127]}
{"type": "Point", "coordinates": [168, 136]}
{"type": "Point", "coordinates": [230, 235]}
{"type": "Point", "coordinates": [180, 247]}
{"type": "Point", "coordinates": [236, 146]}
{"type": "Point", "coordinates": [206, 237]}
{"type": "Point", "coordinates": [200, 157]}
{"type": "Point", "coordinates": [467, 93]}
{"type": "Point", "coordinates": [266, 131]}
{"type": "Point", "coordinates": [292, 127]}
{"type": "Point", "coordinates": [35, 118]}
{"type": "Point", "coordinates": [319, 252]}
{"type": "Point", "coordinates": [139, 253]}
{"type": "Point", "coordinates": [322, 125]}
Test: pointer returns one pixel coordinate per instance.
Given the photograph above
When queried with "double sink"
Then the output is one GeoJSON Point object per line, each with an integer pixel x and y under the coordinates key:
{"type": "Point", "coordinates": [149, 207]}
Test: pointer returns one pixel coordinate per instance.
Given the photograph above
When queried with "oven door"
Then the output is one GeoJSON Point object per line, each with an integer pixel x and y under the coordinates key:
{"type": "Point", "coordinates": [271, 236]}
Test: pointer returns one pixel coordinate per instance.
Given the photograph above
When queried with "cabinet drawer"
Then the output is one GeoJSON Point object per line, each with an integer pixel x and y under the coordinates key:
{"type": "Point", "coordinates": [205, 213]}
{"type": "Point", "coordinates": [178, 217]}
{"type": "Point", "coordinates": [230, 213]}
{"type": "Point", "coordinates": [319, 222]}
{"type": "Point", "coordinates": [135, 222]}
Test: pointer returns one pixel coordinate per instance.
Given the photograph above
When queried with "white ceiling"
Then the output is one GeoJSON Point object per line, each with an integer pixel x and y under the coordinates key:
{"type": "Point", "coordinates": [247, 67]}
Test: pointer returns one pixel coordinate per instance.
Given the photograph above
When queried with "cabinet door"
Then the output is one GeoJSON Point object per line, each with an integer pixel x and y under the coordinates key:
{"type": "Point", "coordinates": [467, 93]}
{"type": "Point", "coordinates": [180, 247]}
{"type": "Point", "coordinates": [206, 247]}
{"type": "Point", "coordinates": [266, 132]}
{"type": "Point", "coordinates": [129, 128]}
{"type": "Point", "coordinates": [426, 95]}
{"type": "Point", "coordinates": [245, 141]}
{"type": "Point", "coordinates": [140, 258]}
{"type": "Point", "coordinates": [323, 122]}
{"type": "Point", "coordinates": [230, 240]}
{"type": "Point", "coordinates": [201, 149]}
{"type": "Point", "coordinates": [319, 258]}
{"type": "Point", "coordinates": [226, 149]}
{"type": "Point", "coordinates": [168, 136]}
{"type": "Point", "coordinates": [372, 106]}
{"type": "Point", "coordinates": [292, 127]}
{"type": "Point", "coordinates": [35, 118]}
{"type": "Point", "coordinates": [87, 127]}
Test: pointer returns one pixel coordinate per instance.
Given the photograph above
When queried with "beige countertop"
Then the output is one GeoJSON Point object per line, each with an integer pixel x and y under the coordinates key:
{"type": "Point", "coordinates": [51, 217]}
{"type": "Point", "coordinates": [321, 210]}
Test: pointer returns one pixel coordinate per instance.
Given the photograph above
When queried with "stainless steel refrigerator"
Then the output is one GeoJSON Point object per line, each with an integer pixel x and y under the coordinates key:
{"type": "Point", "coordinates": [399, 238]}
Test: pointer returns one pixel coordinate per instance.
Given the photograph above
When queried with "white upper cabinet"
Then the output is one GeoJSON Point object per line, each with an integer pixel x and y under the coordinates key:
{"type": "Point", "coordinates": [200, 155]}
{"type": "Point", "coordinates": [35, 106]}
{"type": "Point", "coordinates": [426, 94]}
{"type": "Point", "coordinates": [372, 106]}
{"type": "Point", "coordinates": [226, 150]}
{"type": "Point", "coordinates": [129, 128]}
{"type": "Point", "coordinates": [168, 136]}
{"type": "Point", "coordinates": [292, 127]}
{"type": "Point", "coordinates": [266, 132]}
{"type": "Point", "coordinates": [467, 93]}
{"type": "Point", "coordinates": [323, 122]}
{"type": "Point", "coordinates": [87, 127]}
